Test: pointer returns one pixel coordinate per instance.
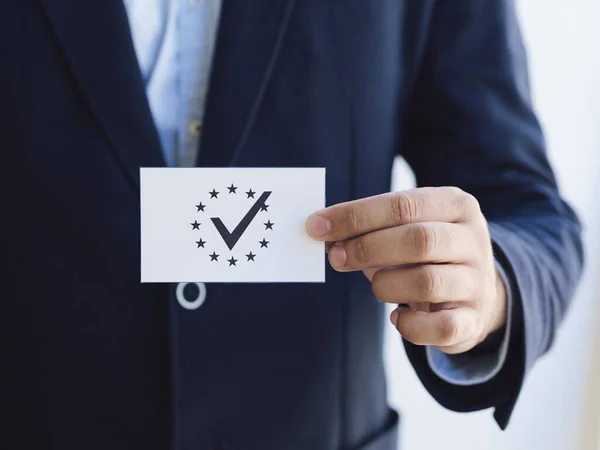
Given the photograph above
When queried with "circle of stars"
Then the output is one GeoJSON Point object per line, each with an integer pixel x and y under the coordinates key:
{"type": "Point", "coordinates": [214, 257]}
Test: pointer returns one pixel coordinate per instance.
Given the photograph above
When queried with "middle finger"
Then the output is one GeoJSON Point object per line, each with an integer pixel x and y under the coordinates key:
{"type": "Point", "coordinates": [428, 242]}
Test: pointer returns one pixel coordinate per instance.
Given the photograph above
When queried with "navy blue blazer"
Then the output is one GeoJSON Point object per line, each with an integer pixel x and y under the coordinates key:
{"type": "Point", "coordinates": [92, 359]}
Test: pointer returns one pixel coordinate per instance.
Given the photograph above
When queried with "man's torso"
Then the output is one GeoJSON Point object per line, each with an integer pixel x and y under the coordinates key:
{"type": "Point", "coordinates": [101, 361]}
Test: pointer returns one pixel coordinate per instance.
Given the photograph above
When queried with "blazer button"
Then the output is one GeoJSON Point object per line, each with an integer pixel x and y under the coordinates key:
{"type": "Point", "coordinates": [190, 295]}
{"type": "Point", "coordinates": [195, 128]}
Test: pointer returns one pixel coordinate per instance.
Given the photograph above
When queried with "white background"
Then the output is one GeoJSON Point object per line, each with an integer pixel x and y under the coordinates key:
{"type": "Point", "coordinates": [559, 408]}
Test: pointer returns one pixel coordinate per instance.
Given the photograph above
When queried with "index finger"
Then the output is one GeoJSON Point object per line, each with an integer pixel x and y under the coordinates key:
{"type": "Point", "coordinates": [350, 219]}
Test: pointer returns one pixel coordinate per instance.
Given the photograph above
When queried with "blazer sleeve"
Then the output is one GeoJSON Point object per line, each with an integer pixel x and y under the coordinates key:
{"type": "Point", "coordinates": [471, 124]}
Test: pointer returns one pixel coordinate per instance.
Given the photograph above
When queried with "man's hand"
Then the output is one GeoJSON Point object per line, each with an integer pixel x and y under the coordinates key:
{"type": "Point", "coordinates": [429, 248]}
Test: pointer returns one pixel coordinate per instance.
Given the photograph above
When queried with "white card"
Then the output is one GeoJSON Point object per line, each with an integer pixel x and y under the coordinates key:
{"type": "Point", "coordinates": [230, 225]}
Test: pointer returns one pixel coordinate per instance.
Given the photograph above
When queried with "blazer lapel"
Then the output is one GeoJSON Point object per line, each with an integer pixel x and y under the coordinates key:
{"type": "Point", "coordinates": [248, 43]}
{"type": "Point", "coordinates": [97, 42]}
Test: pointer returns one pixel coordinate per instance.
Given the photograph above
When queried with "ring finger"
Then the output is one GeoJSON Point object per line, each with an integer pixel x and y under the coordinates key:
{"type": "Point", "coordinates": [433, 283]}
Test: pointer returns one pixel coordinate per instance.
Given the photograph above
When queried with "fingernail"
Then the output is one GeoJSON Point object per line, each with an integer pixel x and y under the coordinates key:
{"type": "Point", "coordinates": [337, 256]}
{"type": "Point", "coordinates": [318, 226]}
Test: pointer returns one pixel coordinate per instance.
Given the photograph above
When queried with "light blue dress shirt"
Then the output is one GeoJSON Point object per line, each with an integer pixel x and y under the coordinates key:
{"type": "Point", "coordinates": [174, 41]}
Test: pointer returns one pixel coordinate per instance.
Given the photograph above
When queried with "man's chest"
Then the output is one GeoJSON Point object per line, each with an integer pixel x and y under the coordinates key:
{"type": "Point", "coordinates": [302, 82]}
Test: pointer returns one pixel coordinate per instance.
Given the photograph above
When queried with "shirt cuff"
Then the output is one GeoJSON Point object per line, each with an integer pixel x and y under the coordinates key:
{"type": "Point", "coordinates": [474, 367]}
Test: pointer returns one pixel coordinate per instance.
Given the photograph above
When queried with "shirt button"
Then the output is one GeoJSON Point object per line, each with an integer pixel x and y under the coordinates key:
{"type": "Point", "coordinates": [190, 295]}
{"type": "Point", "coordinates": [195, 128]}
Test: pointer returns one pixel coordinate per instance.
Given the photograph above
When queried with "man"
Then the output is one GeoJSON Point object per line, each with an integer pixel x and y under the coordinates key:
{"type": "Point", "coordinates": [483, 256]}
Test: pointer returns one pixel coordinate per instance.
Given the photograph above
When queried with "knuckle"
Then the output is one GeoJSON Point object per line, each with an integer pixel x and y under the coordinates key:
{"type": "Point", "coordinates": [448, 329]}
{"type": "Point", "coordinates": [430, 283]}
{"type": "Point", "coordinates": [424, 240]}
{"type": "Point", "coordinates": [352, 219]}
{"type": "Point", "coordinates": [471, 203]}
{"type": "Point", "coordinates": [405, 207]}
{"type": "Point", "coordinates": [467, 203]}
{"type": "Point", "coordinates": [361, 250]}
{"type": "Point", "coordinates": [453, 191]}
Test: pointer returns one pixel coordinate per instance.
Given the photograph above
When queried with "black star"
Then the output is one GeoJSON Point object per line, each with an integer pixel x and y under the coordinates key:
{"type": "Point", "coordinates": [214, 194]}
{"type": "Point", "coordinates": [200, 243]}
{"type": "Point", "coordinates": [264, 207]}
{"type": "Point", "coordinates": [214, 257]}
{"type": "Point", "coordinates": [232, 189]}
{"type": "Point", "coordinates": [232, 261]}
{"type": "Point", "coordinates": [200, 207]}
{"type": "Point", "coordinates": [250, 193]}
{"type": "Point", "coordinates": [195, 225]}
{"type": "Point", "coordinates": [263, 243]}
{"type": "Point", "coordinates": [269, 225]}
{"type": "Point", "coordinates": [250, 256]}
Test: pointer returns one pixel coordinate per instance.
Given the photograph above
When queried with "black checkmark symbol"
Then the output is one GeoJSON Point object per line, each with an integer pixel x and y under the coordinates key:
{"type": "Point", "coordinates": [232, 238]}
